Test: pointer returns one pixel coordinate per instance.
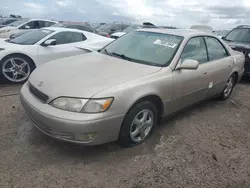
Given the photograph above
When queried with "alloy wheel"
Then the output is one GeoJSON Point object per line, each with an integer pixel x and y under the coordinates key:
{"type": "Point", "coordinates": [142, 125]}
{"type": "Point", "coordinates": [229, 87]}
{"type": "Point", "coordinates": [16, 69]}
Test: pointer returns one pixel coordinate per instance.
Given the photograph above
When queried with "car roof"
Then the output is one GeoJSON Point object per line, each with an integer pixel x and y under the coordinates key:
{"type": "Point", "coordinates": [62, 29]}
{"type": "Point", "coordinates": [180, 32]}
{"type": "Point", "coordinates": [32, 19]}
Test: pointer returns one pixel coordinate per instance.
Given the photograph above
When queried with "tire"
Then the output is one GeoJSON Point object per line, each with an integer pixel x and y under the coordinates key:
{"type": "Point", "coordinates": [225, 94]}
{"type": "Point", "coordinates": [131, 125]}
{"type": "Point", "coordinates": [15, 69]}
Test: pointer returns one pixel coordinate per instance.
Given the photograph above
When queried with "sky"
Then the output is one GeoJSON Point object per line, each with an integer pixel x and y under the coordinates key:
{"type": "Point", "coordinates": [220, 14]}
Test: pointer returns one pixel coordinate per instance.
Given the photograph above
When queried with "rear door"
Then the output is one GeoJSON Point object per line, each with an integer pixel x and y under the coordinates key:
{"type": "Point", "coordinates": [220, 65]}
{"type": "Point", "coordinates": [191, 86]}
{"type": "Point", "coordinates": [66, 43]}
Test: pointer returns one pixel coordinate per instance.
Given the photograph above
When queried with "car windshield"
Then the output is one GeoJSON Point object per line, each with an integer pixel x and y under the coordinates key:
{"type": "Point", "coordinates": [156, 49]}
{"type": "Point", "coordinates": [31, 37]}
{"type": "Point", "coordinates": [17, 23]}
{"type": "Point", "coordinates": [5, 22]}
{"type": "Point", "coordinates": [59, 25]}
{"type": "Point", "coordinates": [105, 27]}
{"type": "Point", "coordinates": [132, 28]}
{"type": "Point", "coordinates": [239, 35]}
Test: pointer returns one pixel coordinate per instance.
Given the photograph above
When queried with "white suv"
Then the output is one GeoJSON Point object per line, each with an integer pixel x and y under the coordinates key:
{"type": "Point", "coordinates": [12, 28]}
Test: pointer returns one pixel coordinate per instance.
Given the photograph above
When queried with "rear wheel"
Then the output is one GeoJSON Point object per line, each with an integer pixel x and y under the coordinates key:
{"type": "Point", "coordinates": [138, 124]}
{"type": "Point", "coordinates": [16, 68]}
{"type": "Point", "coordinates": [228, 88]}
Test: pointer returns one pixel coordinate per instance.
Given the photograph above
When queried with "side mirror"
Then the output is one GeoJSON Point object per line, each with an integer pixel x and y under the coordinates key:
{"type": "Point", "coordinates": [27, 27]}
{"type": "Point", "coordinates": [189, 64]}
{"type": "Point", "coordinates": [50, 42]}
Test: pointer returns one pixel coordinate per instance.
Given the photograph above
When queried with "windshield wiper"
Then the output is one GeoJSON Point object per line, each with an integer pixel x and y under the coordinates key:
{"type": "Point", "coordinates": [123, 56]}
{"type": "Point", "coordinates": [106, 51]}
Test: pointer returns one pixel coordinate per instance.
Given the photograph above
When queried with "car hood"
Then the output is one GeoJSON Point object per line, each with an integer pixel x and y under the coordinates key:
{"type": "Point", "coordinates": [7, 45]}
{"type": "Point", "coordinates": [86, 75]}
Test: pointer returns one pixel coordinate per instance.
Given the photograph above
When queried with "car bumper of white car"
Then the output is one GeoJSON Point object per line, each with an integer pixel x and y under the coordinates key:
{"type": "Point", "coordinates": [53, 122]}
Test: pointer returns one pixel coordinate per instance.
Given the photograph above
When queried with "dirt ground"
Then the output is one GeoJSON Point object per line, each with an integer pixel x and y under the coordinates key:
{"type": "Point", "coordinates": [206, 146]}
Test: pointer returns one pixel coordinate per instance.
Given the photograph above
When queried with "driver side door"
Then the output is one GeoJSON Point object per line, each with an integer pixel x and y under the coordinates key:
{"type": "Point", "coordinates": [191, 86]}
{"type": "Point", "coordinates": [66, 43]}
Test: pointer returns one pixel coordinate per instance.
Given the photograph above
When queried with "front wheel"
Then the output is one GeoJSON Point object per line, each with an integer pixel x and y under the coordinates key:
{"type": "Point", "coordinates": [138, 124]}
{"type": "Point", "coordinates": [228, 88]}
{"type": "Point", "coordinates": [16, 69]}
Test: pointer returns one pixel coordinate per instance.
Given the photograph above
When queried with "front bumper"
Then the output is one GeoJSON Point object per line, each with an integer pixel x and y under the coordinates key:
{"type": "Point", "coordinates": [55, 122]}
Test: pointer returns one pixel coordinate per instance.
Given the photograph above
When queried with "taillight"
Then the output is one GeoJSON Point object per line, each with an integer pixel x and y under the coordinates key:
{"type": "Point", "coordinates": [108, 35]}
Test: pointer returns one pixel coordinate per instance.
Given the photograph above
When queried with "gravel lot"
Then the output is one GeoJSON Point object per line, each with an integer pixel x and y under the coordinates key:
{"type": "Point", "coordinates": [205, 146]}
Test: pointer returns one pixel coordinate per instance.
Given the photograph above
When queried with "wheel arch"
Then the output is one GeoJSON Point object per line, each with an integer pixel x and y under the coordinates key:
{"type": "Point", "coordinates": [20, 54]}
{"type": "Point", "coordinates": [154, 98]}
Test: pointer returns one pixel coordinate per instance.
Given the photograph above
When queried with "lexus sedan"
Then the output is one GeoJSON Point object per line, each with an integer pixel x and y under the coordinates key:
{"type": "Point", "coordinates": [20, 55]}
{"type": "Point", "coordinates": [121, 92]}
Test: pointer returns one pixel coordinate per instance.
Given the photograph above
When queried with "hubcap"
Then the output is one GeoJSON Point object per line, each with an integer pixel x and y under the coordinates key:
{"type": "Point", "coordinates": [16, 69]}
{"type": "Point", "coordinates": [141, 125]}
{"type": "Point", "coordinates": [229, 87]}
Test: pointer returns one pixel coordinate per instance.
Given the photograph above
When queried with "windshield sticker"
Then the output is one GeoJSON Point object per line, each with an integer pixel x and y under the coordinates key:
{"type": "Point", "coordinates": [165, 43]}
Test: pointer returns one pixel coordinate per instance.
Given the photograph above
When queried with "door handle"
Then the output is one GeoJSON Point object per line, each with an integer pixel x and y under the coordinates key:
{"type": "Point", "coordinates": [230, 66]}
{"type": "Point", "coordinates": [205, 73]}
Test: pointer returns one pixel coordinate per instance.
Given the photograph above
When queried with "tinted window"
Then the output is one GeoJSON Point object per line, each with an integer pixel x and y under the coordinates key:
{"type": "Point", "coordinates": [48, 24]}
{"type": "Point", "coordinates": [6, 22]}
{"type": "Point", "coordinates": [124, 26]}
{"type": "Point", "coordinates": [80, 27]}
{"type": "Point", "coordinates": [117, 27]}
{"type": "Point", "coordinates": [41, 24]}
{"type": "Point", "coordinates": [18, 23]}
{"type": "Point", "coordinates": [31, 25]}
{"type": "Point", "coordinates": [239, 35]}
{"type": "Point", "coordinates": [68, 37]}
{"type": "Point", "coordinates": [149, 48]}
{"type": "Point", "coordinates": [31, 37]}
{"type": "Point", "coordinates": [84, 28]}
{"type": "Point", "coordinates": [195, 49]}
{"type": "Point", "coordinates": [215, 49]}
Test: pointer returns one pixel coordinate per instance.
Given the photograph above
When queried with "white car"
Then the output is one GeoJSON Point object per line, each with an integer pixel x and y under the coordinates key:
{"type": "Point", "coordinates": [22, 24]}
{"type": "Point", "coordinates": [21, 55]}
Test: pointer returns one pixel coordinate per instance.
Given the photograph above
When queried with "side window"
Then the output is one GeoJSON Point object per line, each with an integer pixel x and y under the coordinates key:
{"type": "Point", "coordinates": [195, 49]}
{"type": "Point", "coordinates": [41, 24]}
{"type": "Point", "coordinates": [48, 24]}
{"type": "Point", "coordinates": [68, 37]}
{"type": "Point", "coordinates": [31, 25]}
{"type": "Point", "coordinates": [215, 49]}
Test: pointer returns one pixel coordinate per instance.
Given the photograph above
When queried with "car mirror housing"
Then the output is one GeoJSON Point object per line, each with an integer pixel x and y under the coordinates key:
{"type": "Point", "coordinates": [50, 42]}
{"type": "Point", "coordinates": [189, 64]}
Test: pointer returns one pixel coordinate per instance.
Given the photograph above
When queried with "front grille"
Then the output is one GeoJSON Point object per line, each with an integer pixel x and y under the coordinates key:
{"type": "Point", "coordinates": [38, 94]}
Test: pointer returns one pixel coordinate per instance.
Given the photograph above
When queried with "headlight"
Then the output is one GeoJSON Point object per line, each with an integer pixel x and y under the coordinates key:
{"type": "Point", "coordinates": [97, 105]}
{"type": "Point", "coordinates": [82, 105]}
